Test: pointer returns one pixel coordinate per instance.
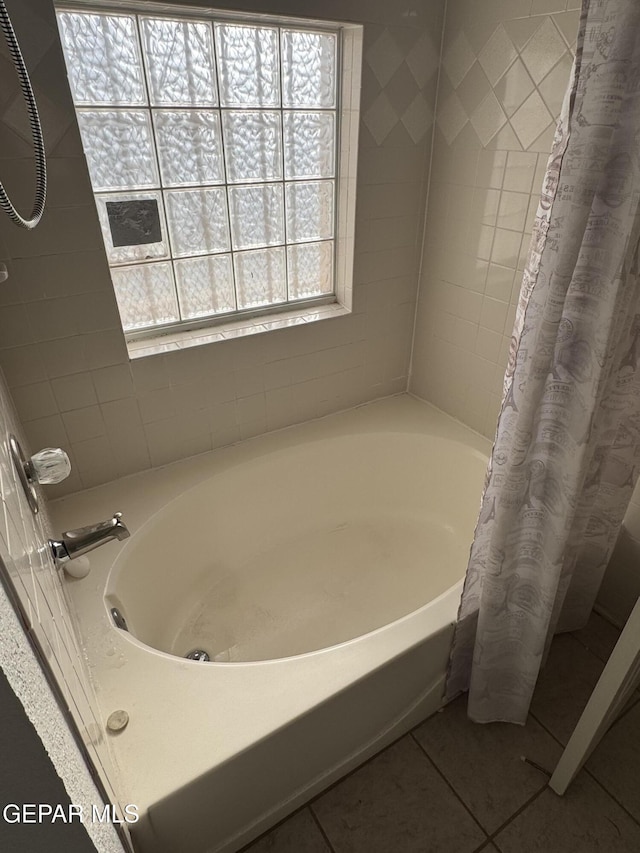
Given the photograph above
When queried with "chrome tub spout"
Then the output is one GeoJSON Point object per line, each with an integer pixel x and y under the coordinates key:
{"type": "Point", "coordinates": [74, 543]}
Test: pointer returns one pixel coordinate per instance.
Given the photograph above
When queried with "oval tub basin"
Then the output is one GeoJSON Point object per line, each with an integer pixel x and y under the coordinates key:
{"type": "Point", "coordinates": [320, 567]}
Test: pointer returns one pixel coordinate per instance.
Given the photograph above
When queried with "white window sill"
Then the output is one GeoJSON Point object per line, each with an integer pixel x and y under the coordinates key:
{"type": "Point", "coordinates": [236, 329]}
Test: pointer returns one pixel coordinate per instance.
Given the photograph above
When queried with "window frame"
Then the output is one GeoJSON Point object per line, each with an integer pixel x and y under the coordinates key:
{"type": "Point", "coordinates": [346, 112]}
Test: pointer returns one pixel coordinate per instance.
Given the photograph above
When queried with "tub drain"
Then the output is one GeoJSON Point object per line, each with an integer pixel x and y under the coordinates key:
{"type": "Point", "coordinates": [198, 654]}
{"type": "Point", "coordinates": [118, 619]}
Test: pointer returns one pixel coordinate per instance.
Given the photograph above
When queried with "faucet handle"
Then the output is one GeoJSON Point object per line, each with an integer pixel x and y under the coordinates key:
{"type": "Point", "coordinates": [49, 465]}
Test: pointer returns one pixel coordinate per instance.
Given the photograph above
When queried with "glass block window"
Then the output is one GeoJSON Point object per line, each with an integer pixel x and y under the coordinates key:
{"type": "Point", "coordinates": [211, 146]}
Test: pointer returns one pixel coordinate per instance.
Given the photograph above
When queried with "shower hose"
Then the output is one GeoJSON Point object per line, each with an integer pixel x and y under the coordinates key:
{"type": "Point", "coordinates": [36, 131]}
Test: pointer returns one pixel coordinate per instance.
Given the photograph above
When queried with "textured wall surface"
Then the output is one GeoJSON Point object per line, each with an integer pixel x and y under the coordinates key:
{"type": "Point", "coordinates": [62, 348]}
{"type": "Point", "coordinates": [505, 68]}
{"type": "Point", "coordinates": [26, 557]}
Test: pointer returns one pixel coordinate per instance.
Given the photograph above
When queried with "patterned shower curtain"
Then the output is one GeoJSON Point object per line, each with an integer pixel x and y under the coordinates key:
{"type": "Point", "coordinates": [567, 449]}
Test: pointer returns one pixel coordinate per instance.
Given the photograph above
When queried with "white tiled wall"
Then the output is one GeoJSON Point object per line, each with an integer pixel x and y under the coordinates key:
{"type": "Point", "coordinates": [505, 68]}
{"type": "Point", "coordinates": [26, 557]}
{"type": "Point", "coordinates": [61, 345]}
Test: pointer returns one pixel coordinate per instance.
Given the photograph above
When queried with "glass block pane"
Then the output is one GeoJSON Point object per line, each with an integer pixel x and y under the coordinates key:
{"type": "Point", "coordinates": [189, 147]}
{"type": "Point", "coordinates": [119, 149]}
{"type": "Point", "coordinates": [260, 277]}
{"type": "Point", "coordinates": [146, 295]}
{"type": "Point", "coordinates": [309, 211]}
{"type": "Point", "coordinates": [198, 221]}
{"type": "Point", "coordinates": [257, 216]}
{"type": "Point", "coordinates": [309, 145]}
{"type": "Point", "coordinates": [253, 146]}
{"type": "Point", "coordinates": [205, 286]}
{"type": "Point", "coordinates": [132, 220]}
{"type": "Point", "coordinates": [308, 69]}
{"type": "Point", "coordinates": [103, 58]}
{"type": "Point", "coordinates": [248, 66]}
{"type": "Point", "coordinates": [310, 268]}
{"type": "Point", "coordinates": [179, 55]}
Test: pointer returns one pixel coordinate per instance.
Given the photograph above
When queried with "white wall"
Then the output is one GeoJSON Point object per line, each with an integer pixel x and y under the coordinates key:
{"type": "Point", "coordinates": [505, 68]}
{"type": "Point", "coordinates": [25, 555]}
{"type": "Point", "coordinates": [61, 345]}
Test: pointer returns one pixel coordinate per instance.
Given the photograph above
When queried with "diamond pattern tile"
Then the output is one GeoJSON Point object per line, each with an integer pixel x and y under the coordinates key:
{"type": "Point", "coordinates": [528, 120]}
{"type": "Point", "coordinates": [520, 30]}
{"type": "Point", "coordinates": [54, 119]}
{"type": "Point", "coordinates": [384, 58]}
{"type": "Point", "coordinates": [568, 23]}
{"type": "Point", "coordinates": [543, 50]}
{"type": "Point", "coordinates": [458, 59]}
{"type": "Point", "coordinates": [514, 88]}
{"type": "Point", "coordinates": [497, 91]}
{"type": "Point", "coordinates": [474, 88]}
{"type": "Point", "coordinates": [380, 118]}
{"type": "Point", "coordinates": [497, 55]}
{"type": "Point", "coordinates": [451, 117]}
{"type": "Point", "coordinates": [418, 118]}
{"type": "Point", "coordinates": [488, 118]}
{"type": "Point", "coordinates": [402, 68]}
{"type": "Point", "coordinates": [423, 59]}
{"type": "Point", "coordinates": [554, 84]}
{"type": "Point", "coordinates": [402, 89]}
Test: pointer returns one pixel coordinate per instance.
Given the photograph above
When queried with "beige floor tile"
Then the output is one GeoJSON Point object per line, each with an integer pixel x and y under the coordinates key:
{"type": "Point", "coordinates": [396, 803]}
{"type": "Point", "coordinates": [598, 635]}
{"type": "Point", "coordinates": [483, 762]}
{"type": "Point", "coordinates": [564, 686]}
{"type": "Point", "coordinates": [298, 834]}
{"type": "Point", "coordinates": [585, 820]}
{"type": "Point", "coordinates": [616, 761]}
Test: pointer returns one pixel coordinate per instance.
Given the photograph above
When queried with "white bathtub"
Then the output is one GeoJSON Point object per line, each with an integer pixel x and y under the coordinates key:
{"type": "Point", "coordinates": [320, 567]}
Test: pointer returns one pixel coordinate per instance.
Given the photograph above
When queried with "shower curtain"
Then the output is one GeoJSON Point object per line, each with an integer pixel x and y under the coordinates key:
{"type": "Point", "coordinates": [567, 449]}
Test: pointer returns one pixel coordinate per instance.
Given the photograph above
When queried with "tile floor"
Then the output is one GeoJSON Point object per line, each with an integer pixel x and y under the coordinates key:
{"type": "Point", "coordinates": [451, 786]}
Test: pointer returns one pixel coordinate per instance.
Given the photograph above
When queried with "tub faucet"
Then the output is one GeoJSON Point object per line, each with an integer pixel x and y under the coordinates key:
{"type": "Point", "coordinates": [74, 543]}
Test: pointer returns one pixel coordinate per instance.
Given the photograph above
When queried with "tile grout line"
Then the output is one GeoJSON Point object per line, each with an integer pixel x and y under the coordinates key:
{"type": "Point", "coordinates": [610, 794]}
{"type": "Point", "coordinates": [588, 772]}
{"type": "Point", "coordinates": [490, 835]}
{"type": "Point", "coordinates": [452, 789]}
{"type": "Point", "coordinates": [517, 813]}
{"type": "Point", "coordinates": [321, 828]}
{"type": "Point", "coordinates": [423, 233]}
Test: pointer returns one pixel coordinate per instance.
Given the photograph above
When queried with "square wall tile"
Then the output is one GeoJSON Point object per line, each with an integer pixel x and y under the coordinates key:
{"type": "Point", "coordinates": [74, 392]}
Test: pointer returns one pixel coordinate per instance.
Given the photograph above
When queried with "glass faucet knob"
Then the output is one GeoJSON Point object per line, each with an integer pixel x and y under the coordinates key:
{"type": "Point", "coordinates": [50, 465]}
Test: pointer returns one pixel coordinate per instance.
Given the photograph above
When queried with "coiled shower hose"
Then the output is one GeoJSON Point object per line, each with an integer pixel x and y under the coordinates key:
{"type": "Point", "coordinates": [36, 131]}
